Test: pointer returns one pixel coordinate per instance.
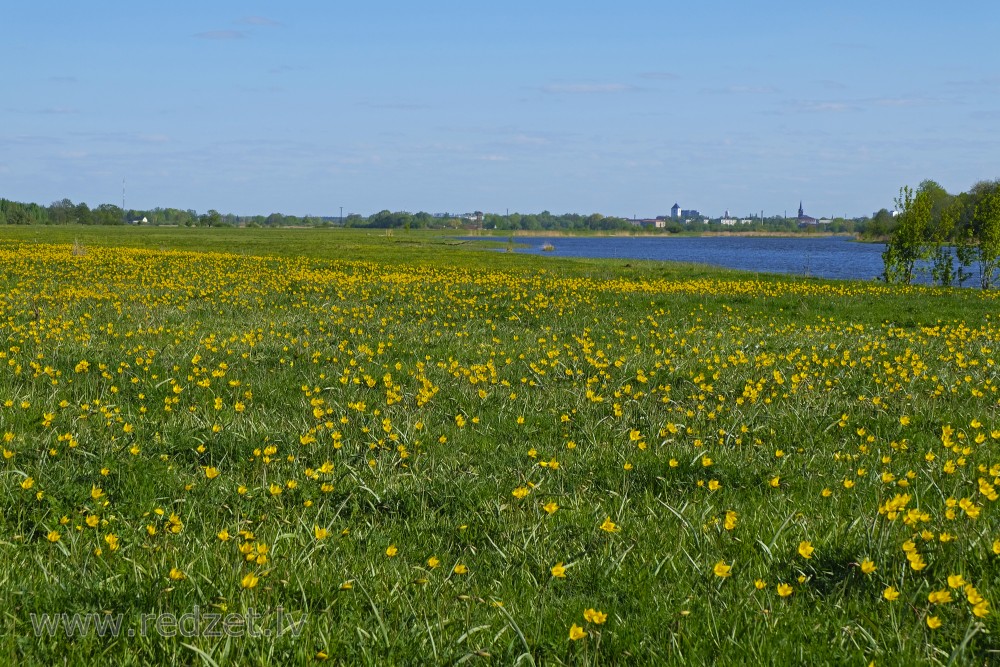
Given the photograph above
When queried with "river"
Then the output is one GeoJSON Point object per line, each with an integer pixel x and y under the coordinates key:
{"type": "Point", "coordinates": [822, 256]}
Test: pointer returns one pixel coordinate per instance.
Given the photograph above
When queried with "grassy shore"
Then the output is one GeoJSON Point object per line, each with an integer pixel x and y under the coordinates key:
{"type": "Point", "coordinates": [406, 450]}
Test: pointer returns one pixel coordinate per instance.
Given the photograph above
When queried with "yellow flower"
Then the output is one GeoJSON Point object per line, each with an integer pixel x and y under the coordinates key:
{"type": "Point", "coordinates": [53, 536]}
{"type": "Point", "coordinates": [320, 533]}
{"type": "Point", "coordinates": [176, 575]}
{"type": "Point", "coordinates": [576, 632]}
{"type": "Point", "coordinates": [760, 584]}
{"type": "Point", "coordinates": [551, 507]}
{"type": "Point", "coordinates": [609, 526]}
{"type": "Point", "coordinates": [784, 590]}
{"type": "Point", "coordinates": [933, 622]}
{"type": "Point", "coordinates": [520, 492]}
{"type": "Point", "coordinates": [433, 562]}
{"type": "Point", "coordinates": [347, 585]}
{"type": "Point", "coordinates": [939, 597]}
{"type": "Point", "coordinates": [27, 483]}
{"type": "Point", "coordinates": [275, 489]}
{"type": "Point", "coordinates": [249, 581]}
{"type": "Point", "coordinates": [594, 616]}
{"type": "Point", "coordinates": [92, 520]}
{"type": "Point", "coordinates": [775, 481]}
{"type": "Point", "coordinates": [223, 535]}
{"type": "Point", "coordinates": [211, 472]}
{"type": "Point", "coordinates": [730, 521]}
{"type": "Point", "coordinates": [868, 566]}
{"type": "Point", "coordinates": [460, 569]}
{"type": "Point", "coordinates": [981, 609]}
{"type": "Point", "coordinates": [890, 594]}
{"type": "Point", "coordinates": [391, 550]}
{"type": "Point", "coordinates": [806, 549]}
{"type": "Point", "coordinates": [721, 569]}
{"type": "Point", "coordinates": [558, 570]}
{"type": "Point", "coordinates": [956, 581]}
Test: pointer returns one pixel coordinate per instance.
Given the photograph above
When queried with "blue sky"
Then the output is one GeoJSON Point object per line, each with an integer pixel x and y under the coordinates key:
{"type": "Point", "coordinates": [616, 108]}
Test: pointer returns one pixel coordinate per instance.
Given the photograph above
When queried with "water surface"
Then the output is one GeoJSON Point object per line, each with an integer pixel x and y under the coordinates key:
{"type": "Point", "coordinates": [823, 256]}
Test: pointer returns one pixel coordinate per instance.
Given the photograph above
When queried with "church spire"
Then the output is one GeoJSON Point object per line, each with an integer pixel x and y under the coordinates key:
{"type": "Point", "coordinates": [801, 213]}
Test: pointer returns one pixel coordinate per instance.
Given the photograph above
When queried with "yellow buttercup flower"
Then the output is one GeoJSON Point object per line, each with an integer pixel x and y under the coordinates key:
{"type": "Point", "coordinates": [721, 569]}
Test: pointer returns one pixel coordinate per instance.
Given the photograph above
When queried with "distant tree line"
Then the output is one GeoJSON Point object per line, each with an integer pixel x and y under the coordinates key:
{"type": "Point", "coordinates": [950, 236]}
{"type": "Point", "coordinates": [953, 238]}
{"type": "Point", "coordinates": [65, 212]}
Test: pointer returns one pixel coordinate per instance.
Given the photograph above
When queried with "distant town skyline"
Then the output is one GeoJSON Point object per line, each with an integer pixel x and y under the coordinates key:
{"type": "Point", "coordinates": [304, 108]}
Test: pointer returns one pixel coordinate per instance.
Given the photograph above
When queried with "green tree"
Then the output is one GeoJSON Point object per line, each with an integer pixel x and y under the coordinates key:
{"type": "Point", "coordinates": [907, 244]}
{"type": "Point", "coordinates": [211, 219]}
{"type": "Point", "coordinates": [987, 226]}
{"type": "Point", "coordinates": [18, 216]}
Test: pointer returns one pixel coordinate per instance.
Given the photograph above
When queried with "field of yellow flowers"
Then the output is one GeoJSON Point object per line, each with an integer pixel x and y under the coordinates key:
{"type": "Point", "coordinates": [475, 457]}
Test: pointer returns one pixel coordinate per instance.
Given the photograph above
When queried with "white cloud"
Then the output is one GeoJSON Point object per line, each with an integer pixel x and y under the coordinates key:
{"type": "Point", "coordinates": [588, 88]}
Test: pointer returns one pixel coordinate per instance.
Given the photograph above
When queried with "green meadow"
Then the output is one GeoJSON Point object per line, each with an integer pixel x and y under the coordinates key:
{"type": "Point", "coordinates": [309, 446]}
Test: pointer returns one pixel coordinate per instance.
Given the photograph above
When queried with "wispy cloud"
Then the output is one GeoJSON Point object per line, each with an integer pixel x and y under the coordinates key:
{"type": "Point", "coordinates": [860, 104]}
{"type": "Point", "coordinates": [394, 106]}
{"type": "Point", "coordinates": [588, 88]}
{"type": "Point", "coordinates": [258, 20]}
{"type": "Point", "coordinates": [830, 84]}
{"type": "Point", "coordinates": [988, 82]}
{"type": "Point", "coordinates": [153, 138]}
{"type": "Point", "coordinates": [529, 140]}
{"type": "Point", "coordinates": [823, 106]}
{"type": "Point", "coordinates": [660, 76]}
{"type": "Point", "coordinates": [47, 111]}
{"type": "Point", "coordinates": [742, 90]}
{"type": "Point", "coordinates": [899, 101]}
{"type": "Point", "coordinates": [222, 35]}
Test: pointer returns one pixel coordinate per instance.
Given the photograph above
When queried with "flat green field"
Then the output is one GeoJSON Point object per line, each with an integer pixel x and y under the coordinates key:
{"type": "Point", "coordinates": [305, 446]}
